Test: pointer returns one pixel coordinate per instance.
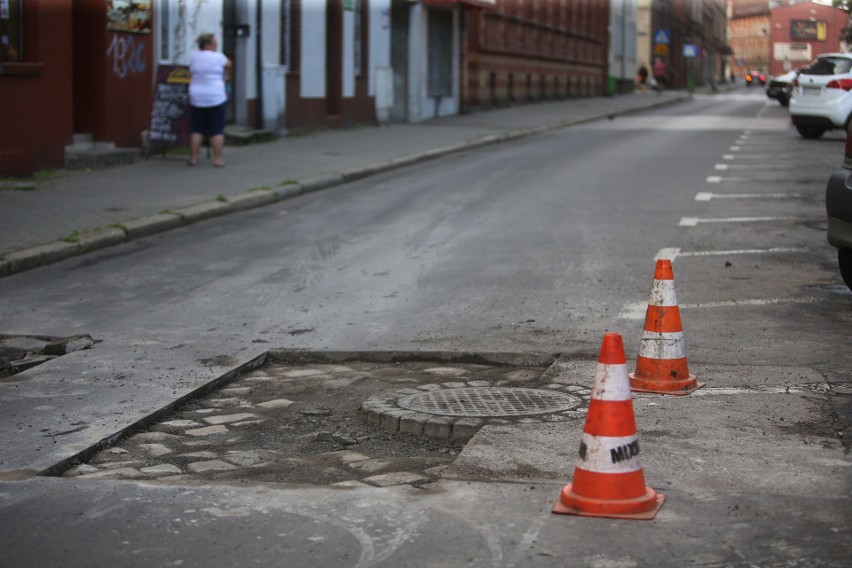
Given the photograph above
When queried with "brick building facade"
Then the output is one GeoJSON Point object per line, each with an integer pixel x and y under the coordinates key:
{"type": "Point", "coordinates": [341, 95]}
{"type": "Point", "coordinates": [519, 51]}
{"type": "Point", "coordinates": [803, 31]}
{"type": "Point", "coordinates": [70, 71]}
{"type": "Point", "coordinates": [749, 36]}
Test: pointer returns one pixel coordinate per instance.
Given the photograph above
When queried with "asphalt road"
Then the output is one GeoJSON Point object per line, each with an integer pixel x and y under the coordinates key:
{"type": "Point", "coordinates": [538, 245]}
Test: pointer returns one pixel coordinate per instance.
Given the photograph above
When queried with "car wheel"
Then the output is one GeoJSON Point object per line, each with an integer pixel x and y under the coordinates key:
{"type": "Point", "coordinates": [810, 131]}
{"type": "Point", "coordinates": [844, 259]}
{"type": "Point", "coordinates": [785, 101]}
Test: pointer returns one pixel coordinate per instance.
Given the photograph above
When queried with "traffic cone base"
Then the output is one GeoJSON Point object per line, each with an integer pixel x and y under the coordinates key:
{"type": "Point", "coordinates": [677, 387]}
{"type": "Point", "coordinates": [644, 508]}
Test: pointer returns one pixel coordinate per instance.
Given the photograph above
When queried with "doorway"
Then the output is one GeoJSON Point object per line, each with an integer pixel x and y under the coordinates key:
{"type": "Point", "coordinates": [334, 57]}
{"type": "Point", "coordinates": [229, 48]}
{"type": "Point", "coordinates": [399, 59]}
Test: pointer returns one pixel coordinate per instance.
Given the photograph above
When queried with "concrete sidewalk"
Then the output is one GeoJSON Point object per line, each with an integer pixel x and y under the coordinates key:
{"type": "Point", "coordinates": [68, 213]}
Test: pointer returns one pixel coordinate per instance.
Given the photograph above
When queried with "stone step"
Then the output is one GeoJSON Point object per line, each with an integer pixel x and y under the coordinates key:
{"type": "Point", "coordinates": [101, 155]}
{"type": "Point", "coordinates": [243, 136]}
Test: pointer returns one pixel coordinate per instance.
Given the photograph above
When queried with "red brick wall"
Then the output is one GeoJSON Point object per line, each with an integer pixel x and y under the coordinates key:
{"type": "Point", "coordinates": [750, 39]}
{"type": "Point", "coordinates": [36, 95]}
{"type": "Point", "coordinates": [835, 20]}
{"type": "Point", "coordinates": [112, 77]}
{"type": "Point", "coordinates": [535, 49]}
{"type": "Point", "coordinates": [76, 77]}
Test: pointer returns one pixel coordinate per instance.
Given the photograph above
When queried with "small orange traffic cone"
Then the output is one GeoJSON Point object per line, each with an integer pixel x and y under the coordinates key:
{"type": "Point", "coordinates": [661, 366]}
{"type": "Point", "coordinates": [608, 478]}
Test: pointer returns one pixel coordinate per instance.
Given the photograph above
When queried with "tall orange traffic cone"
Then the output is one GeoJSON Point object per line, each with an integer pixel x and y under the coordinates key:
{"type": "Point", "coordinates": [661, 366]}
{"type": "Point", "coordinates": [608, 478]}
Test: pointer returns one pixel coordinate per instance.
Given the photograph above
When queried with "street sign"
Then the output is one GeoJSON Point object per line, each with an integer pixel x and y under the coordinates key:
{"type": "Point", "coordinates": [690, 50]}
{"type": "Point", "coordinates": [661, 49]}
{"type": "Point", "coordinates": [662, 36]}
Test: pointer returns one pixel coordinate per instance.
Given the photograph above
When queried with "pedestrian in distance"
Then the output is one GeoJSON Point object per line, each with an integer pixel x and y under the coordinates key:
{"type": "Point", "coordinates": [208, 98]}
{"type": "Point", "coordinates": [642, 77]}
{"type": "Point", "coordinates": [660, 74]}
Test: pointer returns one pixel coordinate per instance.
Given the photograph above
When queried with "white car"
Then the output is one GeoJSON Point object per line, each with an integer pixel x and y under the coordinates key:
{"type": "Point", "coordinates": [821, 95]}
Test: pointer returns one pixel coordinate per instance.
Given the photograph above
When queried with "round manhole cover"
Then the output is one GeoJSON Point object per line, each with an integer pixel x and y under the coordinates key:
{"type": "Point", "coordinates": [491, 401]}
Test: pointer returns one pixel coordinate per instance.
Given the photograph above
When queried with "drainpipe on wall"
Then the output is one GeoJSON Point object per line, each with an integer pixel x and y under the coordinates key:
{"type": "Point", "coordinates": [258, 58]}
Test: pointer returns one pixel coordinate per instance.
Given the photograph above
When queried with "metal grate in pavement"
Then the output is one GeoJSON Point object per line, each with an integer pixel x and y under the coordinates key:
{"type": "Point", "coordinates": [489, 402]}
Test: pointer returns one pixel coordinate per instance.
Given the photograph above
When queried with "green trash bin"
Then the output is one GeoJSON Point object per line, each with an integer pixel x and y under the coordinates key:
{"type": "Point", "coordinates": [611, 85]}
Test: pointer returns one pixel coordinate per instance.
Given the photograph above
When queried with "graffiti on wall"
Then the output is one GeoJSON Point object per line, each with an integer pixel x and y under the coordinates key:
{"type": "Point", "coordinates": [128, 55]}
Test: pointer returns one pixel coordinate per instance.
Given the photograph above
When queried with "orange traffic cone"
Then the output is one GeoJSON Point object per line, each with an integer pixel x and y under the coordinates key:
{"type": "Point", "coordinates": [608, 478]}
{"type": "Point", "coordinates": [661, 366]}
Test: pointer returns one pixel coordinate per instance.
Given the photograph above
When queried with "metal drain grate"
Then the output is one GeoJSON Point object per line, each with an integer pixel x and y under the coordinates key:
{"type": "Point", "coordinates": [492, 401]}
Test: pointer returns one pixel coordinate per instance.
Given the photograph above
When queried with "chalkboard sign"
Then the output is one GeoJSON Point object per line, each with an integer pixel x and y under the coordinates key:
{"type": "Point", "coordinates": [170, 111]}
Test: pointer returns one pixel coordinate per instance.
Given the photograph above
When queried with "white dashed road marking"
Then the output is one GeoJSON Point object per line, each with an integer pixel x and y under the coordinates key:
{"type": "Point", "coordinates": [707, 196]}
{"type": "Point", "coordinates": [672, 253]}
{"type": "Point", "coordinates": [694, 221]}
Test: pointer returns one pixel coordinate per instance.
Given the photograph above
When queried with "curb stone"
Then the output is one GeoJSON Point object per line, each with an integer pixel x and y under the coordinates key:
{"type": "Point", "coordinates": [101, 239]}
{"type": "Point", "coordinates": [287, 191]}
{"type": "Point", "coordinates": [202, 211]}
{"type": "Point", "coordinates": [41, 255]}
{"type": "Point", "coordinates": [320, 182]}
{"type": "Point", "coordinates": [251, 199]}
{"type": "Point", "coordinates": [147, 226]}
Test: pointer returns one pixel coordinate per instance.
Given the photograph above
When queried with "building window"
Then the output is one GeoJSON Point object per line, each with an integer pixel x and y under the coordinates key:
{"type": "Point", "coordinates": [165, 25]}
{"type": "Point", "coordinates": [284, 52]}
{"type": "Point", "coordinates": [11, 30]}
{"type": "Point", "coordinates": [356, 10]}
{"type": "Point", "coordinates": [440, 53]}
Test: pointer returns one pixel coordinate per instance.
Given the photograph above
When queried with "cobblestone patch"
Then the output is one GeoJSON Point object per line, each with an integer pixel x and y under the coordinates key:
{"type": "Point", "coordinates": [304, 423]}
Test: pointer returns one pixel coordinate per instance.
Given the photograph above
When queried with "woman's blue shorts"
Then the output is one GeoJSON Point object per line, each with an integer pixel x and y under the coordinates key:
{"type": "Point", "coordinates": [208, 121]}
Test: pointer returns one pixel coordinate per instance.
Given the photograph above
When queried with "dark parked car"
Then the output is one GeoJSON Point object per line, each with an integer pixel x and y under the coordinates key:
{"type": "Point", "coordinates": [838, 206]}
{"type": "Point", "coordinates": [781, 87]}
{"type": "Point", "coordinates": [754, 77]}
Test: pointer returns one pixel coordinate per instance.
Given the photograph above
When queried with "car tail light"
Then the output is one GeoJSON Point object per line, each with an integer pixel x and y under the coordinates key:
{"type": "Point", "coordinates": [763, 78]}
{"type": "Point", "coordinates": [796, 82]}
{"type": "Point", "coordinates": [844, 84]}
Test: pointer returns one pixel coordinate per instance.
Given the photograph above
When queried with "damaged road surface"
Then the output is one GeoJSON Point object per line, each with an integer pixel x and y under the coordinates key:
{"type": "Point", "coordinates": [353, 377]}
{"type": "Point", "coordinates": [288, 456]}
{"type": "Point", "coordinates": [313, 423]}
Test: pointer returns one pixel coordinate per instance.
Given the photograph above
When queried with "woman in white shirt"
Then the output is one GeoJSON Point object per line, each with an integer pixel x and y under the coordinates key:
{"type": "Point", "coordinates": [208, 98]}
